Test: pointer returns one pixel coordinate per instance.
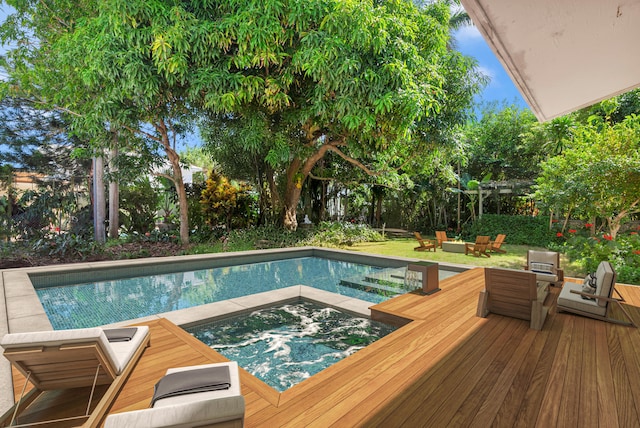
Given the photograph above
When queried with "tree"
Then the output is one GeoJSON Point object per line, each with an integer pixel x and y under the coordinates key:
{"type": "Point", "coordinates": [70, 57]}
{"type": "Point", "coordinates": [599, 175]}
{"type": "Point", "coordinates": [351, 80]}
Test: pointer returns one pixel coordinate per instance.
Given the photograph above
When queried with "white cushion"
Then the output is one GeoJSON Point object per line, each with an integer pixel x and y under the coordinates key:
{"type": "Point", "coordinates": [189, 410]}
{"type": "Point", "coordinates": [570, 300]}
{"type": "Point", "coordinates": [605, 278]}
{"type": "Point", "coordinates": [118, 354]}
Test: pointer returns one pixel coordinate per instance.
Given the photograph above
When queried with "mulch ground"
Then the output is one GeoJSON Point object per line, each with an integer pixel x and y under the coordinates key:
{"type": "Point", "coordinates": [130, 250]}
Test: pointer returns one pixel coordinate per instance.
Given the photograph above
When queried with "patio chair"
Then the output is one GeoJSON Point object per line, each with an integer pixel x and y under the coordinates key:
{"type": "Point", "coordinates": [514, 293]}
{"type": "Point", "coordinates": [494, 246]}
{"type": "Point", "coordinates": [479, 247]}
{"type": "Point", "coordinates": [67, 359]}
{"type": "Point", "coordinates": [441, 236]}
{"type": "Point", "coordinates": [596, 304]}
{"type": "Point", "coordinates": [546, 265]}
{"type": "Point", "coordinates": [195, 396]}
{"type": "Point", "coordinates": [425, 244]}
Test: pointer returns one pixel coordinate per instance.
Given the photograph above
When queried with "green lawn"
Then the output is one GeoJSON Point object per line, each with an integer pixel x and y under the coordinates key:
{"type": "Point", "coordinates": [514, 258]}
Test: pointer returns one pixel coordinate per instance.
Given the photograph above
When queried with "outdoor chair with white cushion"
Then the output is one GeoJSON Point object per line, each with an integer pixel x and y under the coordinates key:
{"type": "Point", "coordinates": [66, 359]}
{"type": "Point", "coordinates": [573, 297]}
{"type": "Point", "coordinates": [546, 265]}
{"type": "Point", "coordinates": [194, 403]}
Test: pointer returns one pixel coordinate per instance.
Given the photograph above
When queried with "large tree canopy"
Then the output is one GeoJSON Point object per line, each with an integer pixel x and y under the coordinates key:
{"type": "Point", "coordinates": [358, 79]}
{"type": "Point", "coordinates": [598, 175]}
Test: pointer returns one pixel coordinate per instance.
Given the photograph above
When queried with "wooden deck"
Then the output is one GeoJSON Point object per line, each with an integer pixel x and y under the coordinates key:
{"type": "Point", "coordinates": [447, 368]}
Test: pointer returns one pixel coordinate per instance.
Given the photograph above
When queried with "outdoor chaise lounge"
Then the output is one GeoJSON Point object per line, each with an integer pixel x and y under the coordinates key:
{"type": "Point", "coordinates": [514, 293]}
{"type": "Point", "coordinates": [546, 265]}
{"type": "Point", "coordinates": [66, 359]}
{"type": "Point", "coordinates": [425, 244]}
{"type": "Point", "coordinates": [479, 247]}
{"type": "Point", "coordinates": [197, 396]}
{"type": "Point", "coordinates": [595, 304]}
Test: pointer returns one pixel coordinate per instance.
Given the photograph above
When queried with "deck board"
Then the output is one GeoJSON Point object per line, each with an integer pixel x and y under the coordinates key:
{"type": "Point", "coordinates": [446, 368]}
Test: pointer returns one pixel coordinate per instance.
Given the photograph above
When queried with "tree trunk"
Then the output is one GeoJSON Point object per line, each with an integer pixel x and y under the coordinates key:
{"type": "Point", "coordinates": [98, 200]}
{"type": "Point", "coordinates": [114, 195]}
{"type": "Point", "coordinates": [174, 159]}
{"type": "Point", "coordinates": [292, 198]}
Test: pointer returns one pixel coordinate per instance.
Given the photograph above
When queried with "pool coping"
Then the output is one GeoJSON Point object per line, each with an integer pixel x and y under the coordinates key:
{"type": "Point", "coordinates": [21, 309]}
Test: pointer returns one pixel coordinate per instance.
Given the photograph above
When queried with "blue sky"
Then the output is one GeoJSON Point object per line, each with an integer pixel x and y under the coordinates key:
{"type": "Point", "coordinates": [469, 41]}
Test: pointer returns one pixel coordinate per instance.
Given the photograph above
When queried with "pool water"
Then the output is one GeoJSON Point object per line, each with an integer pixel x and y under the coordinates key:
{"type": "Point", "coordinates": [106, 302]}
{"type": "Point", "coordinates": [287, 344]}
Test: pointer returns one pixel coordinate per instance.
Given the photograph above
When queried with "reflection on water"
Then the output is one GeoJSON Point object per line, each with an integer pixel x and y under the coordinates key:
{"type": "Point", "coordinates": [105, 302]}
{"type": "Point", "coordinates": [287, 344]}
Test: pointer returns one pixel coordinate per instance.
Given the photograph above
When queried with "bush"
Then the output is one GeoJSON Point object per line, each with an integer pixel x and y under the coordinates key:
{"type": "Point", "coordinates": [589, 251]}
{"type": "Point", "coordinates": [339, 234]}
{"type": "Point", "coordinates": [138, 205]}
{"type": "Point", "coordinates": [520, 230]}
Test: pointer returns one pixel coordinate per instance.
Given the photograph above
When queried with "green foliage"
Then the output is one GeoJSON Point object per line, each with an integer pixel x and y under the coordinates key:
{"type": "Point", "coordinates": [497, 145]}
{"type": "Point", "coordinates": [226, 204]}
{"type": "Point", "coordinates": [66, 245]}
{"type": "Point", "coordinates": [520, 230]}
{"type": "Point", "coordinates": [263, 237]}
{"type": "Point", "coordinates": [598, 175]}
{"type": "Point", "coordinates": [623, 252]}
{"type": "Point", "coordinates": [138, 205]}
{"type": "Point", "coordinates": [332, 234]}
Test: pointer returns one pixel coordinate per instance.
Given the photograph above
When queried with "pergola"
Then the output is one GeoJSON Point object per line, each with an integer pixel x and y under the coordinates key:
{"type": "Point", "coordinates": [563, 55]}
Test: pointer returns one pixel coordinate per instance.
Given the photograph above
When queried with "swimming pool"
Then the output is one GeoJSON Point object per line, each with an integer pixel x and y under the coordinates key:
{"type": "Point", "coordinates": [106, 302]}
{"type": "Point", "coordinates": [286, 344]}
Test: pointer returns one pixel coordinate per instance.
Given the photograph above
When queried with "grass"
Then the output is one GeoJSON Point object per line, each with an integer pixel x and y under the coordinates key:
{"type": "Point", "coordinates": [514, 258]}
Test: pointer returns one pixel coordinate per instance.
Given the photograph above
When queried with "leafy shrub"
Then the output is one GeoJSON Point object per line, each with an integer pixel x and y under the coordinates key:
{"type": "Point", "coordinates": [589, 251]}
{"type": "Point", "coordinates": [138, 205]}
{"type": "Point", "coordinates": [339, 234]}
{"type": "Point", "coordinates": [66, 245]}
{"type": "Point", "coordinates": [520, 230]}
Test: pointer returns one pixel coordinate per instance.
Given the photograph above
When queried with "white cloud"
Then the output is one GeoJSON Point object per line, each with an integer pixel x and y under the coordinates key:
{"type": "Point", "coordinates": [468, 34]}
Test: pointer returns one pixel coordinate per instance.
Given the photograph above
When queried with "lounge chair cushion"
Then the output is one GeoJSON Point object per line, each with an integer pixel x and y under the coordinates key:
{"type": "Point", "coordinates": [118, 353]}
{"type": "Point", "coordinates": [575, 301]}
{"type": "Point", "coordinates": [605, 278]}
{"type": "Point", "coordinates": [188, 410]}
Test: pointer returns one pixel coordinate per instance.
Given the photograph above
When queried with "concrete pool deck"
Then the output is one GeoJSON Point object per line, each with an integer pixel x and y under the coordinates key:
{"type": "Point", "coordinates": [21, 310]}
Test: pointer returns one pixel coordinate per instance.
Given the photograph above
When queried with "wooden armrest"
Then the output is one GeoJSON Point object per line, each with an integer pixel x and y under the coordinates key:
{"type": "Point", "coordinates": [595, 296]}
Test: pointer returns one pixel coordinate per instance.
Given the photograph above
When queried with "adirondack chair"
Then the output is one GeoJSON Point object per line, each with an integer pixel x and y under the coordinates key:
{"type": "Point", "coordinates": [494, 246]}
{"type": "Point", "coordinates": [441, 236]}
{"type": "Point", "coordinates": [479, 248]}
{"type": "Point", "coordinates": [425, 244]}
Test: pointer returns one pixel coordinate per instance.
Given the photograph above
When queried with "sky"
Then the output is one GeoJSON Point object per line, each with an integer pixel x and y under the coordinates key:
{"type": "Point", "coordinates": [469, 41]}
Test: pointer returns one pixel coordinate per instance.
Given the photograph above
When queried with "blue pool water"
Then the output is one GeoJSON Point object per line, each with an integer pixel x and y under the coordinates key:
{"type": "Point", "coordinates": [106, 302]}
{"type": "Point", "coordinates": [285, 345]}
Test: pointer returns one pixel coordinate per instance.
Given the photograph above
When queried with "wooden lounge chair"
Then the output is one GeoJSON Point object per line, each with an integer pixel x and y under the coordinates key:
{"type": "Point", "coordinates": [479, 247]}
{"type": "Point", "coordinates": [441, 236]}
{"type": "Point", "coordinates": [546, 265]}
{"type": "Point", "coordinates": [201, 407]}
{"type": "Point", "coordinates": [514, 293]}
{"type": "Point", "coordinates": [425, 244]}
{"type": "Point", "coordinates": [494, 246]}
{"type": "Point", "coordinates": [594, 305]}
{"type": "Point", "coordinates": [69, 359]}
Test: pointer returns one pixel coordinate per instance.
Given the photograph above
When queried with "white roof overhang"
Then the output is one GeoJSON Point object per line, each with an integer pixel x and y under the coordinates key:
{"type": "Point", "coordinates": [563, 55]}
